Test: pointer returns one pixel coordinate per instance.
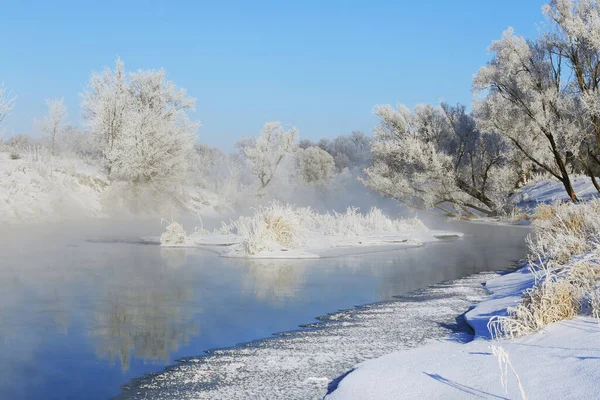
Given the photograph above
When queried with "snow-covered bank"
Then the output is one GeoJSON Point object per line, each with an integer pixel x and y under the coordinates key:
{"type": "Point", "coordinates": [551, 190]}
{"type": "Point", "coordinates": [285, 231]}
{"type": "Point", "coordinates": [544, 311]}
{"type": "Point", "coordinates": [560, 362]}
{"type": "Point", "coordinates": [38, 187]}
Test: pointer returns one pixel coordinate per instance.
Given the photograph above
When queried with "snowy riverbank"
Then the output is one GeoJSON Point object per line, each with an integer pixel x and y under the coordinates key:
{"type": "Point", "coordinates": [560, 362]}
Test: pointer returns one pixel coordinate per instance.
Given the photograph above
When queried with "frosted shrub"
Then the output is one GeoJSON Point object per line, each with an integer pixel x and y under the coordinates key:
{"type": "Point", "coordinates": [282, 225]}
{"type": "Point", "coordinates": [353, 223]}
{"type": "Point", "coordinates": [173, 235]}
{"type": "Point", "coordinates": [271, 226]}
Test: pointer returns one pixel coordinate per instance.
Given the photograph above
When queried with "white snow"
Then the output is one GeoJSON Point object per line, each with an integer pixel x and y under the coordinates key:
{"type": "Point", "coordinates": [548, 191]}
{"type": "Point", "coordinates": [560, 362]}
{"type": "Point", "coordinates": [32, 190]}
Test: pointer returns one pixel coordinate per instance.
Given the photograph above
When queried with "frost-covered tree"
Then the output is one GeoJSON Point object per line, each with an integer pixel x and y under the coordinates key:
{"type": "Point", "coordinates": [574, 38]}
{"type": "Point", "coordinates": [542, 95]}
{"type": "Point", "coordinates": [20, 142]}
{"type": "Point", "coordinates": [6, 103]}
{"type": "Point", "coordinates": [80, 143]}
{"type": "Point", "coordinates": [266, 153]}
{"type": "Point", "coordinates": [351, 151]}
{"type": "Point", "coordinates": [143, 122]}
{"type": "Point", "coordinates": [105, 105]}
{"type": "Point", "coordinates": [435, 157]}
{"type": "Point", "coordinates": [315, 164]}
{"type": "Point", "coordinates": [158, 135]}
{"type": "Point", "coordinates": [53, 123]}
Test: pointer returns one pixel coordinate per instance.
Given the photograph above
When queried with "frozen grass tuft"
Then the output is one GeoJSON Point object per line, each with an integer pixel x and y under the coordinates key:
{"type": "Point", "coordinates": [561, 231]}
{"type": "Point", "coordinates": [278, 225]}
{"type": "Point", "coordinates": [353, 223]}
{"type": "Point", "coordinates": [270, 228]}
{"type": "Point", "coordinates": [173, 235]}
{"type": "Point", "coordinates": [565, 260]}
{"type": "Point", "coordinates": [551, 300]}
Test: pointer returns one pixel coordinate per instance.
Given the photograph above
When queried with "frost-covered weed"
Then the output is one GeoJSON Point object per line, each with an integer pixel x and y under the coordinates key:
{"type": "Point", "coordinates": [272, 226]}
{"type": "Point", "coordinates": [504, 364]}
{"type": "Point", "coordinates": [279, 225]}
{"type": "Point", "coordinates": [174, 234]}
{"type": "Point", "coordinates": [353, 223]}
{"type": "Point", "coordinates": [551, 300]}
{"type": "Point", "coordinates": [563, 230]}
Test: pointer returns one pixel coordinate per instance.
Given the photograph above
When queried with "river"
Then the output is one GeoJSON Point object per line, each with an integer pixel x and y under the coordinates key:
{"type": "Point", "coordinates": [84, 309]}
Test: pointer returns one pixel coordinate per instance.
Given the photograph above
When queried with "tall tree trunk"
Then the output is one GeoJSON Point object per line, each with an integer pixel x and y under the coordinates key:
{"type": "Point", "coordinates": [564, 174]}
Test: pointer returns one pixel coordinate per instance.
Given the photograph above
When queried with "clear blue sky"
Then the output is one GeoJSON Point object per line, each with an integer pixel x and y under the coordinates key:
{"type": "Point", "coordinates": [317, 65]}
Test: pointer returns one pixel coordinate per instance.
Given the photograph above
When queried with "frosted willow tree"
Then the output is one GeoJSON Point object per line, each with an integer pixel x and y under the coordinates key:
{"type": "Point", "coordinates": [434, 157]}
{"type": "Point", "coordinates": [266, 153]}
{"type": "Point", "coordinates": [141, 119]}
{"type": "Point", "coordinates": [53, 123]}
{"type": "Point", "coordinates": [543, 95]}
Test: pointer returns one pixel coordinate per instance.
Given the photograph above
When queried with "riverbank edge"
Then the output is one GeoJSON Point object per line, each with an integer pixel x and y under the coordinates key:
{"type": "Point", "coordinates": [558, 362]}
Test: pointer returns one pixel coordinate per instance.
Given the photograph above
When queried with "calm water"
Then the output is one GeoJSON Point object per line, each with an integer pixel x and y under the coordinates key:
{"type": "Point", "coordinates": [85, 310]}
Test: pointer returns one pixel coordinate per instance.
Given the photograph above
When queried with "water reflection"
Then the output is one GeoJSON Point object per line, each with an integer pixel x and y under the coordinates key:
{"type": "Point", "coordinates": [273, 281]}
{"type": "Point", "coordinates": [146, 325]}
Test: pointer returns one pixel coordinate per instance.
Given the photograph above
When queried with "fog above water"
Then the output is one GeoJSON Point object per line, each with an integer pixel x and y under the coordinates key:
{"type": "Point", "coordinates": [86, 308]}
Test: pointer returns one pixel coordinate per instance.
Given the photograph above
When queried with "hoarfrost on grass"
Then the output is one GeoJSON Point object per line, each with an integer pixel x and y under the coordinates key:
{"type": "Point", "coordinates": [283, 231]}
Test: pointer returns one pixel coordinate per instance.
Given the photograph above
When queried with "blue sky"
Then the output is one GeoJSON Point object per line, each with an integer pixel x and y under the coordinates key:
{"type": "Point", "coordinates": [317, 65]}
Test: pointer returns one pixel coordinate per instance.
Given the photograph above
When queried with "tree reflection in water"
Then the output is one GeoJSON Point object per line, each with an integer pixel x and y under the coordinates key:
{"type": "Point", "coordinates": [148, 315]}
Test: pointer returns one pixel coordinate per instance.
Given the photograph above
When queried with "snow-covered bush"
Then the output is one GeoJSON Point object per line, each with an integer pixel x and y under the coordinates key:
{"type": "Point", "coordinates": [79, 143]}
{"type": "Point", "coordinates": [353, 223]}
{"type": "Point", "coordinates": [173, 234]}
{"type": "Point", "coordinates": [552, 299]}
{"type": "Point", "coordinates": [561, 231]}
{"type": "Point", "coordinates": [21, 142]}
